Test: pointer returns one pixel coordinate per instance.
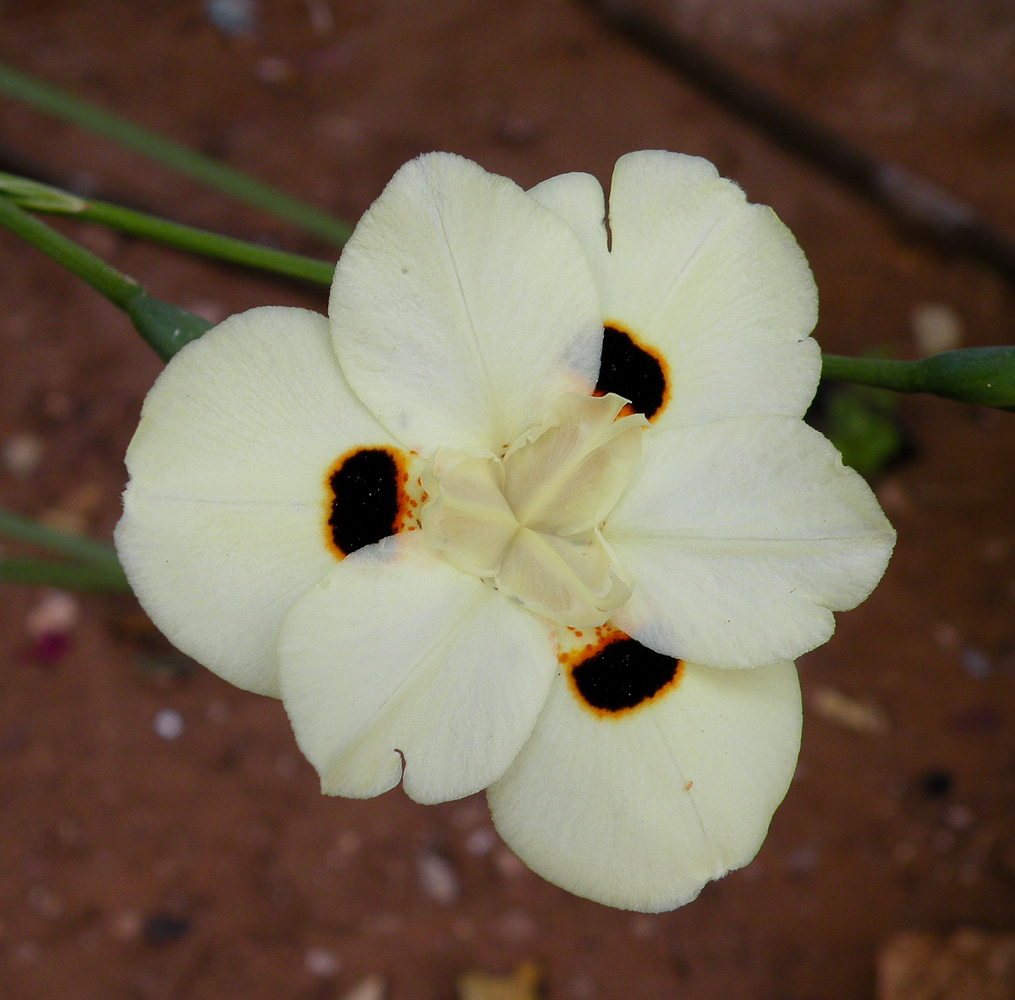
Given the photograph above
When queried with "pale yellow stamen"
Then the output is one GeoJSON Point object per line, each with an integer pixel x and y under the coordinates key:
{"type": "Point", "coordinates": [529, 523]}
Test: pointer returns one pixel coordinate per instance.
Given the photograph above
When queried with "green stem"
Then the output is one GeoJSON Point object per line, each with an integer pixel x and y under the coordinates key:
{"type": "Point", "coordinates": [57, 102]}
{"type": "Point", "coordinates": [69, 575]}
{"type": "Point", "coordinates": [24, 529]}
{"type": "Point", "coordinates": [165, 327]}
{"type": "Point", "coordinates": [208, 244]}
{"type": "Point", "coordinates": [36, 197]}
{"type": "Point", "coordinates": [116, 287]}
{"type": "Point", "coordinates": [982, 375]}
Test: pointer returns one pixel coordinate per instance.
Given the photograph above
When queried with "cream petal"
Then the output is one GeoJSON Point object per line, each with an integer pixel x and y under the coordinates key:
{"type": "Point", "coordinates": [740, 538]}
{"type": "Point", "coordinates": [224, 522]}
{"type": "Point", "coordinates": [398, 657]}
{"type": "Point", "coordinates": [716, 287]}
{"type": "Point", "coordinates": [569, 477]}
{"type": "Point", "coordinates": [468, 519]}
{"type": "Point", "coordinates": [571, 581]}
{"type": "Point", "coordinates": [460, 306]}
{"type": "Point", "coordinates": [639, 809]}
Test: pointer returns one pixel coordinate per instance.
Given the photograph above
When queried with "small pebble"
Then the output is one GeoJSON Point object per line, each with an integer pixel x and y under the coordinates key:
{"type": "Point", "coordinates": [481, 842]}
{"type": "Point", "coordinates": [164, 928]}
{"type": "Point", "coordinates": [518, 130]}
{"type": "Point", "coordinates": [803, 860]}
{"type": "Point", "coordinates": [463, 929]}
{"type": "Point", "coordinates": [969, 874]}
{"type": "Point", "coordinates": [508, 863]}
{"type": "Point", "coordinates": [959, 817]}
{"type": "Point", "coordinates": [521, 984]}
{"type": "Point", "coordinates": [322, 20]}
{"type": "Point", "coordinates": [22, 454]}
{"type": "Point", "coordinates": [967, 963]}
{"type": "Point", "coordinates": [516, 926]}
{"type": "Point", "coordinates": [45, 902]}
{"type": "Point", "coordinates": [74, 522]}
{"type": "Point", "coordinates": [56, 614]}
{"type": "Point", "coordinates": [232, 17]}
{"type": "Point", "coordinates": [387, 924]}
{"type": "Point", "coordinates": [70, 834]}
{"type": "Point", "coordinates": [57, 405]}
{"type": "Point", "coordinates": [217, 712]}
{"type": "Point", "coordinates": [27, 952]}
{"type": "Point", "coordinates": [438, 878]}
{"type": "Point", "coordinates": [341, 130]}
{"type": "Point", "coordinates": [975, 662]}
{"type": "Point", "coordinates": [321, 962]}
{"type": "Point", "coordinates": [168, 724]}
{"type": "Point", "coordinates": [643, 926]}
{"type": "Point", "coordinates": [273, 69]}
{"type": "Point", "coordinates": [371, 987]}
{"type": "Point", "coordinates": [125, 926]}
{"type": "Point", "coordinates": [84, 499]}
{"type": "Point", "coordinates": [945, 635]}
{"type": "Point", "coordinates": [347, 845]}
{"type": "Point", "coordinates": [469, 814]}
{"type": "Point", "coordinates": [893, 497]}
{"type": "Point", "coordinates": [995, 550]}
{"type": "Point", "coordinates": [977, 719]}
{"type": "Point", "coordinates": [98, 239]}
{"type": "Point", "coordinates": [936, 783]}
{"type": "Point", "coordinates": [860, 716]}
{"type": "Point", "coordinates": [582, 987]}
{"type": "Point", "coordinates": [936, 327]}
{"type": "Point", "coordinates": [209, 309]}
{"type": "Point", "coordinates": [286, 764]}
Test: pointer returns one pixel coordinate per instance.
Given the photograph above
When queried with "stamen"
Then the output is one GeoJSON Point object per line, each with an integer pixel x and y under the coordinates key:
{"type": "Point", "coordinates": [529, 523]}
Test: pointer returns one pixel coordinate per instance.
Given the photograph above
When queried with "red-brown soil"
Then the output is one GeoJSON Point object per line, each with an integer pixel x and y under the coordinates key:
{"type": "Point", "coordinates": [132, 866]}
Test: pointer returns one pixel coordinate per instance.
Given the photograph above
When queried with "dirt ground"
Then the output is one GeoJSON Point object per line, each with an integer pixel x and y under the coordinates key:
{"type": "Point", "coordinates": [160, 835]}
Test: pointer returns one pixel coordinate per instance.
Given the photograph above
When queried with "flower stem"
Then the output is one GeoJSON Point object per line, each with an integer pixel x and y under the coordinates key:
{"type": "Point", "coordinates": [57, 102]}
{"type": "Point", "coordinates": [36, 197]}
{"type": "Point", "coordinates": [70, 575]}
{"type": "Point", "coordinates": [24, 529]}
{"type": "Point", "coordinates": [91, 566]}
{"type": "Point", "coordinates": [983, 375]}
{"type": "Point", "coordinates": [165, 327]}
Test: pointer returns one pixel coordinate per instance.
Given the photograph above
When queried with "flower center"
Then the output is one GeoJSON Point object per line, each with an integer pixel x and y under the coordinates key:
{"type": "Point", "coordinates": [529, 523]}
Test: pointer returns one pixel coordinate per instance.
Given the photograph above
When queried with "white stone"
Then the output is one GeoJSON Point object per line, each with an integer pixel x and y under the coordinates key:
{"type": "Point", "coordinates": [168, 724]}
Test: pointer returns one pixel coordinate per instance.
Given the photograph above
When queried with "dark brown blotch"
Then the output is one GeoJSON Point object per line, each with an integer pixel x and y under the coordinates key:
{"type": "Point", "coordinates": [632, 371]}
{"type": "Point", "coordinates": [367, 490]}
{"type": "Point", "coordinates": [622, 674]}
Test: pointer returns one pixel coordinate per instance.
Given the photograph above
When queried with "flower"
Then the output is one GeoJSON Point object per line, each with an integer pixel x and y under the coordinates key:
{"type": "Point", "coordinates": [534, 511]}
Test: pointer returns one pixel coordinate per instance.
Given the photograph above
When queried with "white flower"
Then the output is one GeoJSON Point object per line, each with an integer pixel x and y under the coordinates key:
{"type": "Point", "coordinates": [460, 569]}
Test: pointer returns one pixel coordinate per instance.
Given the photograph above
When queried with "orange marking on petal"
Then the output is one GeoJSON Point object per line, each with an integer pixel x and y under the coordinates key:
{"type": "Point", "coordinates": [365, 498]}
{"type": "Point", "coordinates": [617, 674]}
{"type": "Point", "coordinates": [634, 370]}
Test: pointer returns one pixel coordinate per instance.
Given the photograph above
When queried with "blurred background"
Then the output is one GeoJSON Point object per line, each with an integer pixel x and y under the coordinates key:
{"type": "Point", "coordinates": [160, 835]}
